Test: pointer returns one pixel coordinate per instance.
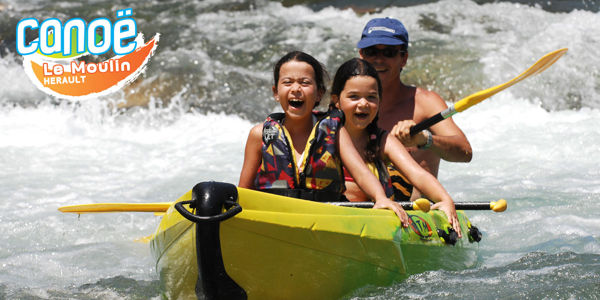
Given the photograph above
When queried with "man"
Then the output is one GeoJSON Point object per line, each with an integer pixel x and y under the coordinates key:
{"type": "Point", "coordinates": [384, 44]}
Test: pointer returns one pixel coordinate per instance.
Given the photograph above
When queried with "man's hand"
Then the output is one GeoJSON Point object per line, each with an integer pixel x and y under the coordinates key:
{"type": "Point", "coordinates": [402, 132]}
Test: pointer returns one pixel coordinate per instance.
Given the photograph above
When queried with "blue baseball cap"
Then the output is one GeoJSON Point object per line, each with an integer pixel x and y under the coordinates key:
{"type": "Point", "coordinates": [383, 31]}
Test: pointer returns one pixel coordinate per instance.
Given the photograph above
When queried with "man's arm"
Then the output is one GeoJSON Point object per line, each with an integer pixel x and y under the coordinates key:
{"type": "Point", "coordinates": [447, 139]}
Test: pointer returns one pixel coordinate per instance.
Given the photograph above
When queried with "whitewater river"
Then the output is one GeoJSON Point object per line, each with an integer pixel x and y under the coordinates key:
{"type": "Point", "coordinates": [186, 120]}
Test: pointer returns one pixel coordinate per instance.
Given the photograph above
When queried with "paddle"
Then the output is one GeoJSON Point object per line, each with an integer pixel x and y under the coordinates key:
{"type": "Point", "coordinates": [161, 207]}
{"type": "Point", "coordinates": [419, 204]}
{"type": "Point", "coordinates": [541, 65]}
{"type": "Point", "coordinates": [496, 206]}
{"type": "Point", "coordinates": [157, 207]}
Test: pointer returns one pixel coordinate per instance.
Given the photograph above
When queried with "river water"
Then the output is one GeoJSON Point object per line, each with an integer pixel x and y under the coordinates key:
{"type": "Point", "coordinates": [186, 119]}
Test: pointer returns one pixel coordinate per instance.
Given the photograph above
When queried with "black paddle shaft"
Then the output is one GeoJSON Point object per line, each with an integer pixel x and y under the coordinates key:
{"type": "Point", "coordinates": [472, 205]}
{"type": "Point", "coordinates": [409, 205]}
{"type": "Point", "coordinates": [426, 124]}
{"type": "Point", "coordinates": [405, 204]}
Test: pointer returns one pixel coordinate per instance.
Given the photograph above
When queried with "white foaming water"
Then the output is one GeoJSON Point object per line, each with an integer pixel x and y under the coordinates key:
{"type": "Point", "coordinates": [545, 164]}
{"type": "Point", "coordinates": [56, 156]}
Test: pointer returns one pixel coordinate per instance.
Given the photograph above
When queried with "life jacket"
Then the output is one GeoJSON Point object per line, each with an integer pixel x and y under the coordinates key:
{"type": "Point", "coordinates": [320, 179]}
{"type": "Point", "coordinates": [402, 187]}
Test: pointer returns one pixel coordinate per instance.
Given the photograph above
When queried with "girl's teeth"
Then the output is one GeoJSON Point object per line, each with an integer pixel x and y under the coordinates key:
{"type": "Point", "coordinates": [296, 103]}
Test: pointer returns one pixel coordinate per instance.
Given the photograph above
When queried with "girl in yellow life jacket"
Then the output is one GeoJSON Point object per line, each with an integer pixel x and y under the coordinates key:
{"type": "Point", "coordinates": [356, 91]}
{"type": "Point", "coordinates": [298, 152]}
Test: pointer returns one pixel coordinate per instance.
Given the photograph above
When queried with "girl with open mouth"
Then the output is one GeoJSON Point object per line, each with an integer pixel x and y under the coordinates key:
{"type": "Point", "coordinates": [356, 90]}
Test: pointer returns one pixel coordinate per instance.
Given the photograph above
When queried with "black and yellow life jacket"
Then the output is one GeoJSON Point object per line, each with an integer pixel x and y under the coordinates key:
{"type": "Point", "coordinates": [393, 182]}
{"type": "Point", "coordinates": [401, 186]}
{"type": "Point", "coordinates": [320, 177]}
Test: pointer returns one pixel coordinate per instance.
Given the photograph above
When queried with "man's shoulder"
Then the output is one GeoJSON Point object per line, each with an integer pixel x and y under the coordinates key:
{"type": "Point", "coordinates": [422, 94]}
{"type": "Point", "coordinates": [427, 101]}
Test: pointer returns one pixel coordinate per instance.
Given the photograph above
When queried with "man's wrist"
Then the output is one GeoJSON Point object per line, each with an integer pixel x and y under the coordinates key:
{"type": "Point", "coordinates": [429, 142]}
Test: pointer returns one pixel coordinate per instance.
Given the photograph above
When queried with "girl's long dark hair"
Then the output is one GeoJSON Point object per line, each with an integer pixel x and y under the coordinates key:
{"type": "Point", "coordinates": [349, 69]}
{"type": "Point", "coordinates": [320, 73]}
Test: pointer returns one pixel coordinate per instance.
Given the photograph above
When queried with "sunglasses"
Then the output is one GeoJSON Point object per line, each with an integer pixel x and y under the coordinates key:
{"type": "Point", "coordinates": [387, 51]}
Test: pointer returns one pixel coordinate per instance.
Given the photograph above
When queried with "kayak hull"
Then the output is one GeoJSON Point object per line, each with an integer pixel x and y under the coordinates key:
{"type": "Point", "coordinates": [284, 248]}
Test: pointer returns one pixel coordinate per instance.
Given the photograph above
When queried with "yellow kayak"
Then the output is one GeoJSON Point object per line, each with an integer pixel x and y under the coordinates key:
{"type": "Point", "coordinates": [237, 243]}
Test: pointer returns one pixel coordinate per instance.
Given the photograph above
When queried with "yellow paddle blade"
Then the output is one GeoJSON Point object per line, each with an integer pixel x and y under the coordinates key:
{"type": "Point", "coordinates": [157, 207]}
{"type": "Point", "coordinates": [498, 206]}
{"type": "Point", "coordinates": [541, 65]}
{"type": "Point", "coordinates": [145, 239]}
{"type": "Point", "coordinates": [422, 204]}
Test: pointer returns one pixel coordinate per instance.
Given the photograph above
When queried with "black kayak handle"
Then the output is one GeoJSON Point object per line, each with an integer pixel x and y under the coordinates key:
{"type": "Point", "coordinates": [234, 209]}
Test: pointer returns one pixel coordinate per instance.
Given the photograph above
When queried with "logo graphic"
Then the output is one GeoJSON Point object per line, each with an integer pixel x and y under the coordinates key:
{"type": "Point", "coordinates": [56, 61]}
{"type": "Point", "coordinates": [420, 227]}
{"type": "Point", "coordinates": [381, 28]}
{"type": "Point", "coordinates": [269, 134]}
